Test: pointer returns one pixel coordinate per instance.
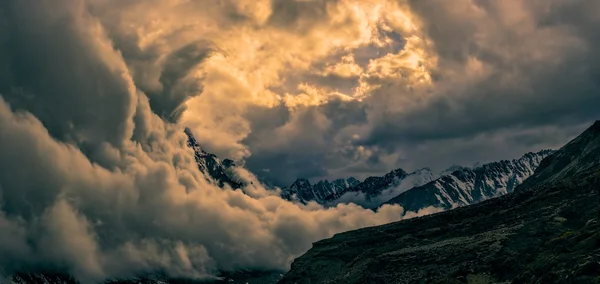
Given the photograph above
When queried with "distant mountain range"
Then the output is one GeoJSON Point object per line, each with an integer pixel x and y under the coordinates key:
{"type": "Point", "coordinates": [546, 231]}
{"type": "Point", "coordinates": [303, 191]}
{"type": "Point", "coordinates": [468, 186]}
{"type": "Point", "coordinates": [353, 190]}
{"type": "Point", "coordinates": [456, 186]}
{"type": "Point", "coordinates": [500, 240]}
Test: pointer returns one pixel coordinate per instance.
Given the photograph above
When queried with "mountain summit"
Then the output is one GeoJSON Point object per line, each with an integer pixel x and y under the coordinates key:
{"type": "Point", "coordinates": [466, 186]}
{"type": "Point", "coordinates": [303, 191]}
{"type": "Point", "coordinates": [214, 169]}
{"type": "Point", "coordinates": [549, 233]}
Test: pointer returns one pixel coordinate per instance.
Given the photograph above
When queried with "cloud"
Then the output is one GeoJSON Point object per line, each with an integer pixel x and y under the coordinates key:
{"type": "Point", "coordinates": [471, 73]}
{"type": "Point", "coordinates": [154, 213]}
{"type": "Point", "coordinates": [96, 93]}
{"type": "Point", "coordinates": [93, 181]}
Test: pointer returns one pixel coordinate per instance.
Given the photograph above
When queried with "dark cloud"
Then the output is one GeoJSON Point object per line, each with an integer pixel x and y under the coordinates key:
{"type": "Point", "coordinates": [561, 88]}
{"type": "Point", "coordinates": [175, 89]}
{"type": "Point", "coordinates": [507, 71]}
{"type": "Point", "coordinates": [300, 133]}
{"type": "Point", "coordinates": [280, 135]}
{"type": "Point", "coordinates": [95, 183]}
{"type": "Point", "coordinates": [79, 99]}
{"type": "Point", "coordinates": [298, 15]}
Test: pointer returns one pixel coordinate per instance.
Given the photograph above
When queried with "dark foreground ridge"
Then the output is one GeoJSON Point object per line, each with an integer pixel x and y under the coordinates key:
{"type": "Point", "coordinates": [546, 235]}
{"type": "Point", "coordinates": [547, 231]}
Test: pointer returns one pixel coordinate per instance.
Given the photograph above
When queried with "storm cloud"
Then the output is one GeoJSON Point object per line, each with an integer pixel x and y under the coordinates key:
{"type": "Point", "coordinates": [95, 182]}
{"type": "Point", "coordinates": [486, 73]}
{"type": "Point", "coordinates": [95, 175]}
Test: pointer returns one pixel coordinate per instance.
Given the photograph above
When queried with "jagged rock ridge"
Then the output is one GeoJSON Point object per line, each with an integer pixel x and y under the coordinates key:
{"type": "Point", "coordinates": [467, 186]}
{"type": "Point", "coordinates": [374, 186]}
{"type": "Point", "coordinates": [325, 192]}
{"type": "Point", "coordinates": [216, 170]}
{"type": "Point", "coordinates": [572, 163]}
{"type": "Point", "coordinates": [303, 191]}
{"type": "Point", "coordinates": [546, 231]}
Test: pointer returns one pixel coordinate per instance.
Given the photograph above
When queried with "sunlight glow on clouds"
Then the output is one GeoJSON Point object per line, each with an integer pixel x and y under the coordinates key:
{"type": "Point", "coordinates": [95, 95]}
{"type": "Point", "coordinates": [96, 177]}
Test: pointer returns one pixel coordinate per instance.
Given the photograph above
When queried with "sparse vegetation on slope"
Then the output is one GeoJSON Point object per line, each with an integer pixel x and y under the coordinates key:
{"type": "Point", "coordinates": [547, 235]}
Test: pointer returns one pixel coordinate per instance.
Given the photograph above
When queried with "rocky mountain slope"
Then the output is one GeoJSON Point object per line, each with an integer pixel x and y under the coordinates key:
{"type": "Point", "coordinates": [303, 191]}
{"type": "Point", "coordinates": [457, 186]}
{"type": "Point", "coordinates": [326, 193]}
{"type": "Point", "coordinates": [467, 186]}
{"type": "Point", "coordinates": [546, 231]}
{"type": "Point", "coordinates": [573, 163]}
{"type": "Point", "coordinates": [395, 182]}
{"type": "Point", "coordinates": [415, 190]}
{"type": "Point", "coordinates": [215, 170]}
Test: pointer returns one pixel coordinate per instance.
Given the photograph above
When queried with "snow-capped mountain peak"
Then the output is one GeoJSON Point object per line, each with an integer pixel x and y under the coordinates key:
{"type": "Point", "coordinates": [302, 190]}
{"type": "Point", "coordinates": [214, 169]}
{"type": "Point", "coordinates": [466, 186]}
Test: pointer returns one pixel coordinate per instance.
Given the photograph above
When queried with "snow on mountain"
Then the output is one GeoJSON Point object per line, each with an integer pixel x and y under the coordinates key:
{"type": "Point", "coordinates": [303, 191]}
{"type": "Point", "coordinates": [454, 168]}
{"type": "Point", "coordinates": [417, 178]}
{"type": "Point", "coordinates": [375, 190]}
{"type": "Point", "coordinates": [467, 186]}
{"type": "Point", "coordinates": [457, 186]}
{"type": "Point", "coordinates": [214, 169]}
{"type": "Point", "coordinates": [369, 193]}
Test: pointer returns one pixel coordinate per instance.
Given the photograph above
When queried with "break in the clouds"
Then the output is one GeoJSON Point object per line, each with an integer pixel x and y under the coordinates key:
{"type": "Point", "coordinates": [95, 176]}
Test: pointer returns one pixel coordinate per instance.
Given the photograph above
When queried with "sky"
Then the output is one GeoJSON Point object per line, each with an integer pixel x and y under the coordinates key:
{"type": "Point", "coordinates": [328, 89]}
{"type": "Point", "coordinates": [95, 176]}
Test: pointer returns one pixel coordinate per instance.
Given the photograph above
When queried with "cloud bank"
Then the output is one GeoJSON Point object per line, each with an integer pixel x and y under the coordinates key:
{"type": "Point", "coordinates": [95, 182]}
{"type": "Point", "coordinates": [335, 88]}
{"type": "Point", "coordinates": [95, 176]}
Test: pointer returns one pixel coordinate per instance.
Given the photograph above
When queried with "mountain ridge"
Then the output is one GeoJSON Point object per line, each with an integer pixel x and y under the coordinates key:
{"type": "Point", "coordinates": [547, 231]}
{"type": "Point", "coordinates": [467, 186]}
{"type": "Point", "coordinates": [572, 162]}
{"type": "Point", "coordinates": [211, 166]}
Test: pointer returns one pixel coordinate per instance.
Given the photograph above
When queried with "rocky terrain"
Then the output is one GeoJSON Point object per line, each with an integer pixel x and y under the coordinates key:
{"type": "Point", "coordinates": [303, 191]}
{"type": "Point", "coordinates": [466, 186]}
{"type": "Point", "coordinates": [415, 190]}
{"type": "Point", "coordinates": [547, 235]}
{"type": "Point", "coordinates": [576, 161]}
{"type": "Point", "coordinates": [218, 171]}
{"type": "Point", "coordinates": [547, 231]}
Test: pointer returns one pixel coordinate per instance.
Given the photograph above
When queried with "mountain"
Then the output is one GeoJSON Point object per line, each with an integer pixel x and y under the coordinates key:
{"type": "Point", "coordinates": [214, 169]}
{"type": "Point", "coordinates": [458, 186]}
{"type": "Point", "coordinates": [454, 168]}
{"type": "Point", "coordinates": [573, 163]}
{"type": "Point", "coordinates": [545, 231]}
{"type": "Point", "coordinates": [303, 191]}
{"type": "Point", "coordinates": [375, 188]}
{"type": "Point", "coordinates": [467, 186]}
